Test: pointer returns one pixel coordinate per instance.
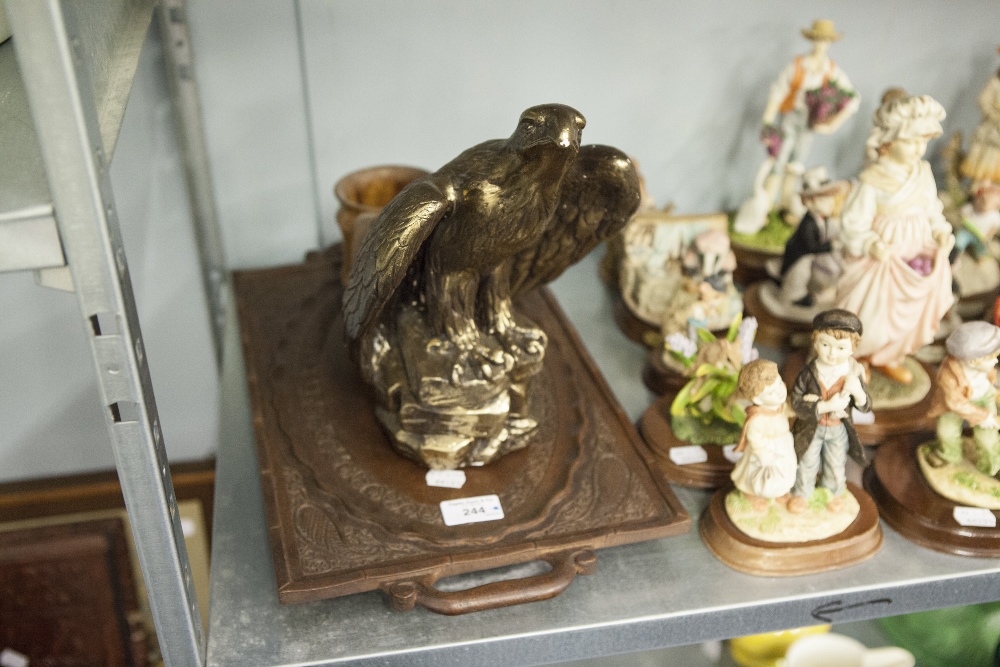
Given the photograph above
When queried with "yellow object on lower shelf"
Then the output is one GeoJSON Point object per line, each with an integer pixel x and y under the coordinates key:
{"type": "Point", "coordinates": [764, 650]}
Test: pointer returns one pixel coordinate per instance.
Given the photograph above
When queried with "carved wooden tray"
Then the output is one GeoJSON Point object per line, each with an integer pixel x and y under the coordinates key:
{"type": "Point", "coordinates": [347, 514]}
{"type": "Point", "coordinates": [908, 503]}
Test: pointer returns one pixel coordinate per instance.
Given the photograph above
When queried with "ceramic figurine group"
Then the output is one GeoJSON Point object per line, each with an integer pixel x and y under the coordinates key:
{"type": "Point", "coordinates": [882, 255]}
{"type": "Point", "coordinates": [887, 253]}
{"type": "Point", "coordinates": [785, 465]}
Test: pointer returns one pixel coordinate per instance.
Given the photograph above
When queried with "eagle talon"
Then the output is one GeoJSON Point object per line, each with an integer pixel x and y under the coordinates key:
{"type": "Point", "coordinates": [523, 343]}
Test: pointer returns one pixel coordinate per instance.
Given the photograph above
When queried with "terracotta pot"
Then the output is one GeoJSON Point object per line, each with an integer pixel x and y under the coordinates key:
{"type": "Point", "coordinates": [362, 195]}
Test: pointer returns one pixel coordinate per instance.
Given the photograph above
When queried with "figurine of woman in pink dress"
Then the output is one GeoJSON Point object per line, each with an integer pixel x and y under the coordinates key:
{"type": "Point", "coordinates": [896, 240]}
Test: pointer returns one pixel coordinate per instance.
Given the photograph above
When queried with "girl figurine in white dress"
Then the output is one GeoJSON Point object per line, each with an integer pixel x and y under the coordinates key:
{"type": "Point", "coordinates": [767, 469]}
{"type": "Point", "coordinates": [896, 240]}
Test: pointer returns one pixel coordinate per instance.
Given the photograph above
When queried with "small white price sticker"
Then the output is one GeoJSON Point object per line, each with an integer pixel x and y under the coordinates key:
{"type": "Point", "coordinates": [733, 456]}
{"type": "Point", "coordinates": [975, 516]}
{"type": "Point", "coordinates": [471, 510]}
{"type": "Point", "coordinates": [688, 454]}
{"type": "Point", "coordinates": [447, 479]}
{"type": "Point", "coordinates": [11, 658]}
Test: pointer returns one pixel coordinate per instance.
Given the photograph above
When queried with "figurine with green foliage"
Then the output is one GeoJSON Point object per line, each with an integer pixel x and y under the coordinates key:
{"type": "Point", "coordinates": [704, 411]}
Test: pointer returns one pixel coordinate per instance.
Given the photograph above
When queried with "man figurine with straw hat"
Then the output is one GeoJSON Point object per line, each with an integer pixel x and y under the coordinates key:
{"type": "Point", "coordinates": [811, 95]}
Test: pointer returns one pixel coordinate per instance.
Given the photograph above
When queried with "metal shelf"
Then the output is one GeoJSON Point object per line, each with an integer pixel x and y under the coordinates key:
{"type": "Point", "coordinates": [662, 593]}
{"type": "Point", "coordinates": [110, 37]}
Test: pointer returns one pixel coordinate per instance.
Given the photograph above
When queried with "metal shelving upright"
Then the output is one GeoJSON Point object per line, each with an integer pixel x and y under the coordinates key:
{"type": "Point", "coordinates": [65, 79]}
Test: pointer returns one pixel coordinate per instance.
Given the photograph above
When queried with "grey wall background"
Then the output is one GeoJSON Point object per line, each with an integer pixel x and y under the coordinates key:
{"type": "Point", "coordinates": [298, 93]}
{"type": "Point", "coordinates": [679, 85]}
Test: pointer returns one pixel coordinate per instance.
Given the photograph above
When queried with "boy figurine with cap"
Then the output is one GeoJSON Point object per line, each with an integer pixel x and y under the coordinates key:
{"type": "Point", "coordinates": [825, 392]}
{"type": "Point", "coordinates": [965, 392]}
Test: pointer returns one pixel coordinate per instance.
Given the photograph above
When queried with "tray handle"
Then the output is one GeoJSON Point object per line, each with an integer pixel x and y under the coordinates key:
{"type": "Point", "coordinates": [404, 595]}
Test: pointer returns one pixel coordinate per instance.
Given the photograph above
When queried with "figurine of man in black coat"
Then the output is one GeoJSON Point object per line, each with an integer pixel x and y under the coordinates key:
{"type": "Point", "coordinates": [803, 269]}
{"type": "Point", "coordinates": [824, 393]}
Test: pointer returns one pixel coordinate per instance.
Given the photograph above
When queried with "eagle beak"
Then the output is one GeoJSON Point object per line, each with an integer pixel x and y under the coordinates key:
{"type": "Point", "coordinates": [569, 137]}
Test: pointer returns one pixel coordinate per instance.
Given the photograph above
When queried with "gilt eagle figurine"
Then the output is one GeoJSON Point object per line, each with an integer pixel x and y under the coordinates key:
{"type": "Point", "coordinates": [503, 217]}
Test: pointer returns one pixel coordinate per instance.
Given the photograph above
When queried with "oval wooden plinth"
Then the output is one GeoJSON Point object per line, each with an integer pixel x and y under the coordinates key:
{"type": "Point", "coordinates": [656, 431]}
{"type": "Point", "coordinates": [659, 378]}
{"type": "Point", "coordinates": [632, 326]}
{"type": "Point", "coordinates": [908, 504]}
{"type": "Point", "coordinates": [889, 423]}
{"type": "Point", "coordinates": [751, 264]}
{"type": "Point", "coordinates": [857, 543]}
{"type": "Point", "coordinates": [772, 330]}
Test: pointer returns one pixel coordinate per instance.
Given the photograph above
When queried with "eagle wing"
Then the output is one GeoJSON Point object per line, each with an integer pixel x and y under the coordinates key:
{"type": "Point", "coordinates": [388, 250]}
{"type": "Point", "coordinates": [598, 196]}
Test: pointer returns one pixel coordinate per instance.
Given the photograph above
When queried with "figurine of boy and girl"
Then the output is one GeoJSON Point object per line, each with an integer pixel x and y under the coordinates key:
{"type": "Point", "coordinates": [783, 464]}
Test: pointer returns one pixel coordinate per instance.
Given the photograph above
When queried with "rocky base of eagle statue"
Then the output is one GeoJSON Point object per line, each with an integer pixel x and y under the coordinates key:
{"type": "Point", "coordinates": [429, 300]}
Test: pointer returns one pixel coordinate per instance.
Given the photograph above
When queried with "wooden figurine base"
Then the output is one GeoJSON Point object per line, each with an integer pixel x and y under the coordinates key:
{"type": "Point", "coordinates": [659, 378]}
{"type": "Point", "coordinates": [347, 514]}
{"type": "Point", "coordinates": [656, 431]}
{"type": "Point", "coordinates": [633, 327]}
{"type": "Point", "coordinates": [908, 503]}
{"type": "Point", "coordinates": [859, 542]}
{"type": "Point", "coordinates": [977, 306]}
{"type": "Point", "coordinates": [751, 263]}
{"type": "Point", "coordinates": [773, 330]}
{"type": "Point", "coordinates": [889, 423]}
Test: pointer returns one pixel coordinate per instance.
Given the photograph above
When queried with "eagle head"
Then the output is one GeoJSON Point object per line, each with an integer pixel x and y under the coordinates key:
{"type": "Point", "coordinates": [548, 125]}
